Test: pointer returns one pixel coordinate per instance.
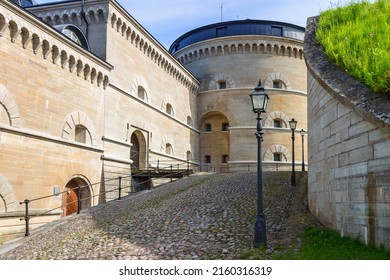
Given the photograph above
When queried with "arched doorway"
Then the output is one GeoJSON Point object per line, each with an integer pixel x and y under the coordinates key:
{"type": "Point", "coordinates": [134, 152]}
{"type": "Point", "coordinates": [138, 150]}
{"type": "Point", "coordinates": [71, 196]}
{"type": "Point", "coordinates": [214, 142]}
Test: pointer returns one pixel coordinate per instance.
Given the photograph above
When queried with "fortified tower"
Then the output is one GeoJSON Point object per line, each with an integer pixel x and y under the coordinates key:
{"type": "Point", "coordinates": [229, 58]}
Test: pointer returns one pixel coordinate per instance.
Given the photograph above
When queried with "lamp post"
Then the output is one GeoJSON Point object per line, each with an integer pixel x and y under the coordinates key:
{"type": "Point", "coordinates": [303, 155]}
{"type": "Point", "coordinates": [259, 103]}
{"type": "Point", "coordinates": [293, 126]}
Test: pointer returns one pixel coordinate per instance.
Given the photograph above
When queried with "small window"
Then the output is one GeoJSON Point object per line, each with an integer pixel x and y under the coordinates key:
{"type": "Point", "coordinates": [169, 109]}
{"type": "Point", "coordinates": [141, 93]}
{"type": "Point", "coordinates": [277, 123]}
{"type": "Point", "coordinates": [168, 149]}
{"type": "Point", "coordinates": [225, 159]}
{"type": "Point", "coordinates": [221, 85]}
{"type": "Point", "coordinates": [225, 127]}
{"type": "Point", "coordinates": [278, 84]}
{"type": "Point", "coordinates": [189, 121]}
{"type": "Point", "coordinates": [189, 155]}
{"type": "Point", "coordinates": [207, 159]}
{"type": "Point", "coordinates": [277, 157]}
{"type": "Point", "coordinates": [80, 134]}
{"type": "Point", "coordinates": [207, 127]}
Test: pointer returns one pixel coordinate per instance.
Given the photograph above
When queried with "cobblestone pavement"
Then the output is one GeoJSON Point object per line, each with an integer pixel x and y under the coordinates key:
{"type": "Point", "coordinates": [198, 217]}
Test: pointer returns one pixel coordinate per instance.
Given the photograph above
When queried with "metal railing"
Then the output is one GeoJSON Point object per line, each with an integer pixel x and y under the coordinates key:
{"type": "Point", "coordinates": [169, 172]}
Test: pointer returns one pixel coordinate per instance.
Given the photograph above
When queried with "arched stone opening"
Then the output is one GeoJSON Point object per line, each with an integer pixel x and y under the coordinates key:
{"type": "Point", "coordinates": [71, 196]}
{"type": "Point", "coordinates": [277, 153]}
{"type": "Point", "coordinates": [278, 116]}
{"type": "Point", "coordinates": [214, 141]}
{"type": "Point", "coordinates": [138, 150]}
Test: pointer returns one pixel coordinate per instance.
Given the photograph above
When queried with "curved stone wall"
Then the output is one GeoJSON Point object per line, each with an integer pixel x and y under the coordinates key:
{"type": "Point", "coordinates": [349, 150]}
{"type": "Point", "coordinates": [229, 68]}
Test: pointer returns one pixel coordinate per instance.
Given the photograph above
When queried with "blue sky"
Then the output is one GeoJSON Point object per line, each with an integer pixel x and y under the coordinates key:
{"type": "Point", "coordinates": [166, 20]}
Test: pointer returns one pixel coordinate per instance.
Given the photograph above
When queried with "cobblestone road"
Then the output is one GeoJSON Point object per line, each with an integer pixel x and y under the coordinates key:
{"type": "Point", "coordinates": [199, 217]}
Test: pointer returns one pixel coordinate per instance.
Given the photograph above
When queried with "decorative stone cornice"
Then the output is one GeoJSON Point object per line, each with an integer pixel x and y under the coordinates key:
{"type": "Point", "coordinates": [31, 33]}
{"type": "Point", "coordinates": [245, 44]}
{"type": "Point", "coordinates": [135, 34]}
{"type": "Point", "coordinates": [72, 13]}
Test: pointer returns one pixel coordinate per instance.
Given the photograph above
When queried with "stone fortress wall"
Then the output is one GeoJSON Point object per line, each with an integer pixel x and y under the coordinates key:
{"type": "Point", "coordinates": [349, 150]}
{"type": "Point", "coordinates": [76, 115]}
{"type": "Point", "coordinates": [71, 116]}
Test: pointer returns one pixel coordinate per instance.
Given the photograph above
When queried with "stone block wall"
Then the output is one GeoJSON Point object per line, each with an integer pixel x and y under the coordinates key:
{"type": "Point", "coordinates": [349, 150]}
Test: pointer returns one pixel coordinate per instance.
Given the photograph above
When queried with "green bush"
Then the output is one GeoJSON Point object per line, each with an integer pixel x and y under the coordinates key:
{"type": "Point", "coordinates": [357, 38]}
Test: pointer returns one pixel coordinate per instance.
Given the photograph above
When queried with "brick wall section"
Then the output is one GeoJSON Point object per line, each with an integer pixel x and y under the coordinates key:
{"type": "Point", "coordinates": [349, 150]}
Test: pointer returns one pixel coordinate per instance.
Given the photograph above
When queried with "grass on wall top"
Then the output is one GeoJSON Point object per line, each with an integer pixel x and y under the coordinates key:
{"type": "Point", "coordinates": [356, 38]}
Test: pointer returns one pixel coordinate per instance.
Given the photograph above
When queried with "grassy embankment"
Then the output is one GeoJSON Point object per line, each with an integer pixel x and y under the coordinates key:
{"type": "Point", "coordinates": [325, 244]}
{"type": "Point", "coordinates": [356, 38]}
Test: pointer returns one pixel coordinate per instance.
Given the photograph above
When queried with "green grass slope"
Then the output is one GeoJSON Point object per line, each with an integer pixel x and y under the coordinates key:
{"type": "Point", "coordinates": [356, 38]}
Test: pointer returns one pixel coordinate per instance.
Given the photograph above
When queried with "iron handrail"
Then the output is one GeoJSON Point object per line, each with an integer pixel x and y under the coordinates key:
{"type": "Point", "coordinates": [28, 216]}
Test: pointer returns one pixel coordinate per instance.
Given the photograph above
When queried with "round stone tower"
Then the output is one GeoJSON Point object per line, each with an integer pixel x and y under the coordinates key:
{"type": "Point", "coordinates": [229, 58]}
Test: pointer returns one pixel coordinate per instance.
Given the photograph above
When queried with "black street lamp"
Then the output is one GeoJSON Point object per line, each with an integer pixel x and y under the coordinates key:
{"type": "Point", "coordinates": [303, 155]}
{"type": "Point", "coordinates": [293, 126]}
{"type": "Point", "coordinates": [259, 103]}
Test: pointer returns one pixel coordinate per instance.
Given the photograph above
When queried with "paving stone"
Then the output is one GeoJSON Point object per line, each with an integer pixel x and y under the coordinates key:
{"type": "Point", "coordinates": [199, 217]}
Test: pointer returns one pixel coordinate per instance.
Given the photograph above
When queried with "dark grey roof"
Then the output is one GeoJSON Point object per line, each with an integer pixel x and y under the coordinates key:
{"type": "Point", "coordinates": [238, 27]}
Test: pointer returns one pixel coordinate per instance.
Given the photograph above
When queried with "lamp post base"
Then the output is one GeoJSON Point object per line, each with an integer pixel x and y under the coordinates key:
{"type": "Point", "coordinates": [260, 232]}
{"type": "Point", "coordinates": [293, 179]}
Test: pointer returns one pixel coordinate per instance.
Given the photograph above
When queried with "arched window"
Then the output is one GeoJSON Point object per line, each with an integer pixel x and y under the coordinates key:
{"type": "Point", "coordinates": [279, 84]}
{"type": "Point", "coordinates": [74, 33]}
{"type": "Point", "coordinates": [189, 155]}
{"type": "Point", "coordinates": [168, 149]}
{"type": "Point", "coordinates": [141, 93]}
{"type": "Point", "coordinates": [278, 157]}
{"type": "Point", "coordinates": [80, 134]}
{"type": "Point", "coordinates": [278, 123]}
{"type": "Point", "coordinates": [169, 109]}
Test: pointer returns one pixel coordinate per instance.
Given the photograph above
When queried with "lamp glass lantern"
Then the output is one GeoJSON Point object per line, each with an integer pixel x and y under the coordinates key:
{"type": "Point", "coordinates": [259, 99]}
{"type": "Point", "coordinates": [293, 124]}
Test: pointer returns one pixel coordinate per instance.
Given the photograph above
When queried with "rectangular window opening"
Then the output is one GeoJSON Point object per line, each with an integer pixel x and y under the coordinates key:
{"type": "Point", "coordinates": [225, 127]}
{"type": "Point", "coordinates": [225, 159]}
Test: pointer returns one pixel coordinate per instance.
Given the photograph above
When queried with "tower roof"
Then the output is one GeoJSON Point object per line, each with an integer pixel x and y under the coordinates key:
{"type": "Point", "coordinates": [238, 27]}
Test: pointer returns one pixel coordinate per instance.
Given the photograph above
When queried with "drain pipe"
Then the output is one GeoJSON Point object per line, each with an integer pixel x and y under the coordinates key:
{"type": "Point", "coordinates": [85, 19]}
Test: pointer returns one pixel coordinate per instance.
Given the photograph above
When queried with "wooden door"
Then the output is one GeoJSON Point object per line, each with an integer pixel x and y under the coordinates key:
{"type": "Point", "coordinates": [71, 202]}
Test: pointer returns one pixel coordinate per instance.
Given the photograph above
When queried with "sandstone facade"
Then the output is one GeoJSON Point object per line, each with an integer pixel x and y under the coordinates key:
{"type": "Point", "coordinates": [349, 138]}
{"type": "Point", "coordinates": [78, 113]}
{"type": "Point", "coordinates": [237, 62]}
